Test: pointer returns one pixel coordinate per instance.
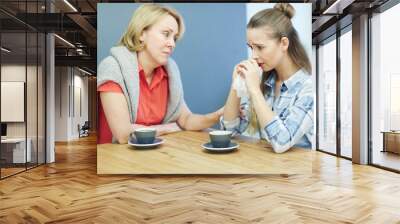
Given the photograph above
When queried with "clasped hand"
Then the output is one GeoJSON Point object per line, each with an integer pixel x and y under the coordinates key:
{"type": "Point", "coordinates": [250, 71]}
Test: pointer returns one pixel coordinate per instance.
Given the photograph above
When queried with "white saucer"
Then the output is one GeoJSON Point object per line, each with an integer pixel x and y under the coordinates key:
{"type": "Point", "coordinates": [157, 141]}
{"type": "Point", "coordinates": [232, 146]}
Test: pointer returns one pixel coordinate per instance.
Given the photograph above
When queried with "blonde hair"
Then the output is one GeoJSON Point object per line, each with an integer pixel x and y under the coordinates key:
{"type": "Point", "coordinates": [278, 23]}
{"type": "Point", "coordinates": [142, 19]}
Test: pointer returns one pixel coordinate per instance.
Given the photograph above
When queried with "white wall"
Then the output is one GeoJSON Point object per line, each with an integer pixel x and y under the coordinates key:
{"type": "Point", "coordinates": [34, 124]}
{"type": "Point", "coordinates": [70, 83]}
{"type": "Point", "coordinates": [80, 100]}
{"type": "Point", "coordinates": [15, 72]}
{"type": "Point", "coordinates": [61, 103]}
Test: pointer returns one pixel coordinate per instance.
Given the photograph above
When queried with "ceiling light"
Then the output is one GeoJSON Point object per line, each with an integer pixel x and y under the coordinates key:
{"type": "Point", "coordinates": [64, 40]}
{"type": "Point", "coordinates": [70, 5]}
{"type": "Point", "coordinates": [84, 71]}
{"type": "Point", "coordinates": [338, 6]}
{"type": "Point", "coordinates": [5, 50]}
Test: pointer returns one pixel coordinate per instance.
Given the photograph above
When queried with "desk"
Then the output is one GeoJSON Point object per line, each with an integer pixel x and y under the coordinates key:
{"type": "Point", "coordinates": [182, 153]}
{"type": "Point", "coordinates": [17, 150]}
{"type": "Point", "coordinates": [391, 141]}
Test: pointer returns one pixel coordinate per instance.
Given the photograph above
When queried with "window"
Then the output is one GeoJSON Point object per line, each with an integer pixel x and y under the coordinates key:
{"type": "Point", "coordinates": [385, 85]}
{"type": "Point", "coordinates": [346, 93]}
{"type": "Point", "coordinates": [327, 97]}
{"type": "Point", "coordinates": [22, 65]}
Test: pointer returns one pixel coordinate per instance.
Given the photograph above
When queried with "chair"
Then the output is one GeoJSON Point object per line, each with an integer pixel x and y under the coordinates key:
{"type": "Point", "coordinates": [84, 130]}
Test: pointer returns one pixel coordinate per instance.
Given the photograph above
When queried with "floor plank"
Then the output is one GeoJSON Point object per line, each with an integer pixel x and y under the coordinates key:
{"type": "Point", "coordinates": [70, 191]}
{"type": "Point", "coordinates": [387, 159]}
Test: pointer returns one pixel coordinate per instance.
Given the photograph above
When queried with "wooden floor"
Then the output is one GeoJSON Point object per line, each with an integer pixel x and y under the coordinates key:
{"type": "Point", "coordinates": [387, 159]}
{"type": "Point", "coordinates": [5, 172]}
{"type": "Point", "coordinates": [8, 171]}
{"type": "Point", "coordinates": [69, 191]}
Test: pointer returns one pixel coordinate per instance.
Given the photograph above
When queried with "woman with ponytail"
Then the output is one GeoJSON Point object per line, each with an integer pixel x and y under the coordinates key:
{"type": "Point", "coordinates": [280, 102]}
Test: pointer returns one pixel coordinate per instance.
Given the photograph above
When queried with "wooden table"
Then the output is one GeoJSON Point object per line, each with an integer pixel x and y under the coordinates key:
{"type": "Point", "coordinates": [182, 153]}
{"type": "Point", "coordinates": [391, 141]}
{"type": "Point", "coordinates": [13, 151]}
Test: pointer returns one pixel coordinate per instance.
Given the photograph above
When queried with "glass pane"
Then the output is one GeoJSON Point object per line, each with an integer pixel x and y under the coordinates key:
{"type": "Point", "coordinates": [22, 67]}
{"type": "Point", "coordinates": [31, 101]}
{"type": "Point", "coordinates": [13, 85]}
{"type": "Point", "coordinates": [327, 97]}
{"type": "Point", "coordinates": [41, 98]}
{"type": "Point", "coordinates": [32, 84]}
{"type": "Point", "coordinates": [346, 94]}
{"type": "Point", "coordinates": [314, 78]}
{"type": "Point", "coordinates": [386, 89]}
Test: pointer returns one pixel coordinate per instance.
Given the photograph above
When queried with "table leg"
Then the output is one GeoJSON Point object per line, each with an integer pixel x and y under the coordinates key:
{"type": "Point", "coordinates": [384, 142]}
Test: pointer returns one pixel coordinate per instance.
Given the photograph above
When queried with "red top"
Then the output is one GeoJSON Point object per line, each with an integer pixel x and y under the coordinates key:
{"type": "Point", "coordinates": [152, 107]}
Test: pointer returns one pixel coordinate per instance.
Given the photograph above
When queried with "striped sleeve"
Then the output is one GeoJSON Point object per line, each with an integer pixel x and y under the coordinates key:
{"type": "Point", "coordinates": [238, 125]}
{"type": "Point", "coordinates": [289, 126]}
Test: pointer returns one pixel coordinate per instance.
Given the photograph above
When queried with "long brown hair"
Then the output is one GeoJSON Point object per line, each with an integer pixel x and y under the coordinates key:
{"type": "Point", "coordinates": [278, 22]}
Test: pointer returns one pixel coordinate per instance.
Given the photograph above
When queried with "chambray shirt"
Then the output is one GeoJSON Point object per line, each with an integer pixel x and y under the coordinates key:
{"type": "Point", "coordinates": [293, 122]}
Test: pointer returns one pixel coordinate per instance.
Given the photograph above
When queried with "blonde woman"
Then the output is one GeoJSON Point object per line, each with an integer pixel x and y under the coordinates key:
{"type": "Point", "coordinates": [280, 103]}
{"type": "Point", "coordinates": [140, 85]}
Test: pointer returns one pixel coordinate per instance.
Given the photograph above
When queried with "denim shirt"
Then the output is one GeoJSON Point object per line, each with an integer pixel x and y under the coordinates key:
{"type": "Point", "coordinates": [293, 122]}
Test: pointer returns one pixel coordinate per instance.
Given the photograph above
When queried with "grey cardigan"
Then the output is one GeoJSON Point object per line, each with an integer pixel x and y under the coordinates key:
{"type": "Point", "coordinates": [122, 67]}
